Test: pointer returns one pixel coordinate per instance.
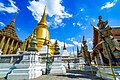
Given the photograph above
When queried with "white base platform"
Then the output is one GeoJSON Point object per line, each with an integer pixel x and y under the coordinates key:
{"type": "Point", "coordinates": [57, 67]}
{"type": "Point", "coordinates": [28, 68]}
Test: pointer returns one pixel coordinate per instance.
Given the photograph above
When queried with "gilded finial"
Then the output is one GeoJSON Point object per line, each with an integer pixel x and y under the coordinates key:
{"type": "Point", "coordinates": [43, 19]}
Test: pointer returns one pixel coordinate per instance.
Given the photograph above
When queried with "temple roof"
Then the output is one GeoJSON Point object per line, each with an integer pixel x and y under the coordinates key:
{"type": "Point", "coordinates": [9, 30]}
{"type": "Point", "coordinates": [116, 31]}
{"type": "Point", "coordinates": [115, 28]}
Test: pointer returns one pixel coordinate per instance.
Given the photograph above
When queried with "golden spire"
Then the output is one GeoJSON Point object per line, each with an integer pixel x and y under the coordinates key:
{"type": "Point", "coordinates": [13, 21]}
{"type": "Point", "coordinates": [43, 19]}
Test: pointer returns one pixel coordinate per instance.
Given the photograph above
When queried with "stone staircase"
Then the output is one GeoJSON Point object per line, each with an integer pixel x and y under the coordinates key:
{"type": "Point", "coordinates": [5, 69]}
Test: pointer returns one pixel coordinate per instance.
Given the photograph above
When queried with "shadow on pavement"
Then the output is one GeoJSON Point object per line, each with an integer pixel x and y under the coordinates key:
{"type": "Point", "coordinates": [80, 74]}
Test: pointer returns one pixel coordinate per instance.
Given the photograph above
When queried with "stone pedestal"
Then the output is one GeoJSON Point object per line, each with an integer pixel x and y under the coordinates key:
{"type": "Point", "coordinates": [57, 67]}
{"type": "Point", "coordinates": [28, 68]}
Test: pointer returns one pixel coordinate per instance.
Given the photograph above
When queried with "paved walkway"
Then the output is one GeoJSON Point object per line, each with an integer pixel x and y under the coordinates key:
{"type": "Point", "coordinates": [70, 75]}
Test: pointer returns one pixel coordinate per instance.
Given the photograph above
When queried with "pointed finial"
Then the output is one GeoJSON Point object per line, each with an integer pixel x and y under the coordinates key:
{"type": "Point", "coordinates": [84, 41]}
{"type": "Point", "coordinates": [56, 42]}
{"type": "Point", "coordinates": [64, 48]}
{"type": "Point", "coordinates": [100, 18]}
{"type": "Point", "coordinates": [43, 19]}
{"type": "Point", "coordinates": [13, 21]}
{"type": "Point", "coordinates": [77, 49]}
{"type": "Point", "coordinates": [83, 38]}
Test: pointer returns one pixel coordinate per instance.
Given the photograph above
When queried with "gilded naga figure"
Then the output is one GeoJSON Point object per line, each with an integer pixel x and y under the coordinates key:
{"type": "Point", "coordinates": [111, 47]}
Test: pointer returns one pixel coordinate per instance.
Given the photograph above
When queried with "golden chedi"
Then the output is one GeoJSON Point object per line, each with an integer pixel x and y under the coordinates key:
{"type": "Point", "coordinates": [42, 34]}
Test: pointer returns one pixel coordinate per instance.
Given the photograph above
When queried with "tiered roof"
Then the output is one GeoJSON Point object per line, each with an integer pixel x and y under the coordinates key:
{"type": "Point", "coordinates": [9, 30]}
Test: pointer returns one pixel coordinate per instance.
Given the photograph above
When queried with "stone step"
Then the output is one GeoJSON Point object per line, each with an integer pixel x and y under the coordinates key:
{"type": "Point", "coordinates": [24, 76]}
{"type": "Point", "coordinates": [56, 71]}
{"type": "Point", "coordinates": [19, 76]}
{"type": "Point", "coordinates": [4, 70]}
{"type": "Point", "coordinates": [23, 65]}
{"type": "Point", "coordinates": [25, 70]}
{"type": "Point", "coordinates": [3, 74]}
{"type": "Point", "coordinates": [6, 65]}
{"type": "Point", "coordinates": [20, 71]}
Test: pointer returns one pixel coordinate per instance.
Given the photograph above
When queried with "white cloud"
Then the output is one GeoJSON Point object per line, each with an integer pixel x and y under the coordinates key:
{"type": "Point", "coordinates": [77, 24]}
{"type": "Point", "coordinates": [94, 20]}
{"type": "Point", "coordinates": [77, 43]}
{"type": "Point", "coordinates": [2, 24]}
{"type": "Point", "coordinates": [12, 8]}
{"type": "Point", "coordinates": [70, 45]}
{"type": "Point", "coordinates": [83, 28]}
{"type": "Point", "coordinates": [61, 44]}
{"type": "Point", "coordinates": [89, 41]}
{"type": "Point", "coordinates": [73, 24]}
{"type": "Point", "coordinates": [18, 29]}
{"type": "Point", "coordinates": [79, 36]}
{"type": "Point", "coordinates": [81, 9]}
{"type": "Point", "coordinates": [71, 39]}
{"type": "Point", "coordinates": [54, 9]}
{"type": "Point", "coordinates": [109, 5]}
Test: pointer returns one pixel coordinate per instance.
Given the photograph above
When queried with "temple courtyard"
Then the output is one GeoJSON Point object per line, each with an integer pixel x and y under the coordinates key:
{"type": "Point", "coordinates": [70, 75]}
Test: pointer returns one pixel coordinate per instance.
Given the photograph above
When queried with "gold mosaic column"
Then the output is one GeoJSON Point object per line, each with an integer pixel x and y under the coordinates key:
{"type": "Point", "coordinates": [28, 44]}
{"type": "Point", "coordinates": [2, 44]}
{"type": "Point", "coordinates": [24, 46]}
{"type": "Point", "coordinates": [16, 46]}
{"type": "Point", "coordinates": [6, 46]}
{"type": "Point", "coordinates": [11, 47]}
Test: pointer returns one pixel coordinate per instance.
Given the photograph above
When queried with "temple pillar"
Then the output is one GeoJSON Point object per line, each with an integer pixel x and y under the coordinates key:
{"type": "Point", "coordinates": [2, 44]}
{"type": "Point", "coordinates": [24, 44]}
{"type": "Point", "coordinates": [23, 47]}
{"type": "Point", "coordinates": [28, 44]}
{"type": "Point", "coordinates": [15, 46]}
{"type": "Point", "coordinates": [6, 46]}
{"type": "Point", "coordinates": [11, 46]}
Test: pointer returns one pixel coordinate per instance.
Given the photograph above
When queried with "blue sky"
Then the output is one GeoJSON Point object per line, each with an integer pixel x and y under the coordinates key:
{"type": "Point", "coordinates": [68, 20]}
